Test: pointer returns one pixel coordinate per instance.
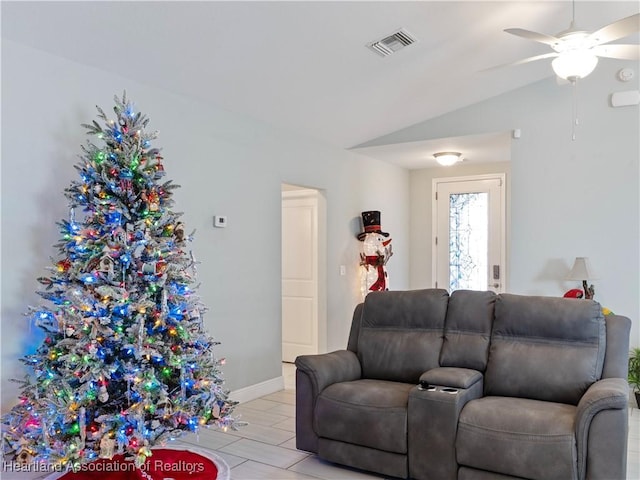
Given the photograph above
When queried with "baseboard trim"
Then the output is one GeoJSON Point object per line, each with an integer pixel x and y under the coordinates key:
{"type": "Point", "coordinates": [246, 394]}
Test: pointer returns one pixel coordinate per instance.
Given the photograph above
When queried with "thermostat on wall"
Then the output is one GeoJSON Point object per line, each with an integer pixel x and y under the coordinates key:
{"type": "Point", "coordinates": [220, 221]}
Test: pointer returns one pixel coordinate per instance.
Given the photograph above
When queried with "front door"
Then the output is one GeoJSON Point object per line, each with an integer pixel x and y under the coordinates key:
{"type": "Point", "coordinates": [469, 233]}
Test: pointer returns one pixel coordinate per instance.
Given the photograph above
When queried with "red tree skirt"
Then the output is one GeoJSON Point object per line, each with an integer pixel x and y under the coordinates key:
{"type": "Point", "coordinates": [165, 463]}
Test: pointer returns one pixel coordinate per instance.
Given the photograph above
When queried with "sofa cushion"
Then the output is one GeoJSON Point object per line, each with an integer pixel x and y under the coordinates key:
{"type": "Point", "coordinates": [400, 333]}
{"type": "Point", "coordinates": [371, 413]}
{"type": "Point", "coordinates": [519, 437]}
{"type": "Point", "coordinates": [467, 329]}
{"type": "Point", "coordinates": [545, 348]}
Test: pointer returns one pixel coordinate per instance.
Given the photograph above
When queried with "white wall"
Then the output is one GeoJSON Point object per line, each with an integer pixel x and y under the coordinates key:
{"type": "Point", "coordinates": [568, 198]}
{"type": "Point", "coordinates": [226, 164]}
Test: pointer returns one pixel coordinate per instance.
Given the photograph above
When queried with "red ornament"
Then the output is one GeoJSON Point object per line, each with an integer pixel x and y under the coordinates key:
{"type": "Point", "coordinates": [64, 265]}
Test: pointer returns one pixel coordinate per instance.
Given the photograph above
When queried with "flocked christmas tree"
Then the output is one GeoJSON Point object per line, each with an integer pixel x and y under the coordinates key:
{"type": "Point", "coordinates": [126, 362]}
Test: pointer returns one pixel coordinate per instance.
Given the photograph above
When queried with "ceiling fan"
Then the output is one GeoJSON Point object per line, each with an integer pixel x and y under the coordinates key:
{"type": "Point", "coordinates": [576, 51]}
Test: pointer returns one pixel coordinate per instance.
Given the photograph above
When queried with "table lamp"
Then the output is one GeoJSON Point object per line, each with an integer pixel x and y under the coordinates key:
{"type": "Point", "coordinates": [582, 270]}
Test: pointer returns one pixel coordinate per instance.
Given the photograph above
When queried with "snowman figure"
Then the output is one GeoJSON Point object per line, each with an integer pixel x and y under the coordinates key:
{"type": "Point", "coordinates": [376, 251]}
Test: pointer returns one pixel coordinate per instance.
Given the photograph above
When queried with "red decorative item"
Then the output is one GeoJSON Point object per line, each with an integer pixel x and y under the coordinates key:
{"type": "Point", "coordinates": [381, 282]}
{"type": "Point", "coordinates": [574, 293]}
{"type": "Point", "coordinates": [64, 265]}
{"type": "Point", "coordinates": [165, 463]}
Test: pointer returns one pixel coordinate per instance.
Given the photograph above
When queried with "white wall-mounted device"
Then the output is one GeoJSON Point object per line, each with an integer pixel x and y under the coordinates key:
{"type": "Point", "coordinates": [625, 99]}
{"type": "Point", "coordinates": [626, 74]}
{"type": "Point", "coordinates": [220, 221]}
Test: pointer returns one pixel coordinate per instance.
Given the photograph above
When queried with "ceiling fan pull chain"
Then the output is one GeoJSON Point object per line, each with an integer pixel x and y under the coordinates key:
{"type": "Point", "coordinates": [574, 107]}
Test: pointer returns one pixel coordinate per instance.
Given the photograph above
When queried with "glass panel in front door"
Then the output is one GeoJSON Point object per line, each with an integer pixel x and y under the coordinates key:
{"type": "Point", "coordinates": [468, 240]}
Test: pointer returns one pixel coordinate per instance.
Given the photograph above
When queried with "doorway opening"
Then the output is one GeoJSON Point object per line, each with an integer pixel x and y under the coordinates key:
{"type": "Point", "coordinates": [304, 317]}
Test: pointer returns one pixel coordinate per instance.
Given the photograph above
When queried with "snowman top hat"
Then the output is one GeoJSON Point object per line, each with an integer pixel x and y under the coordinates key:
{"type": "Point", "coordinates": [371, 224]}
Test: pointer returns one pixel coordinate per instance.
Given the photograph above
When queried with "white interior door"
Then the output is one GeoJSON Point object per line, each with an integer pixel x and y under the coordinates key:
{"type": "Point", "coordinates": [469, 233]}
{"type": "Point", "coordinates": [299, 273]}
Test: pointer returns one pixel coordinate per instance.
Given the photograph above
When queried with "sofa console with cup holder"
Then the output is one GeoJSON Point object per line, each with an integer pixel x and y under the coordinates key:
{"type": "Point", "coordinates": [471, 386]}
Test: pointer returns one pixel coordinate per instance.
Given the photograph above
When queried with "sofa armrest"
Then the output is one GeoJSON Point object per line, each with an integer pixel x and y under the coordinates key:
{"type": "Point", "coordinates": [329, 368]}
{"type": "Point", "coordinates": [451, 377]}
{"type": "Point", "coordinates": [314, 373]}
{"type": "Point", "coordinates": [609, 398]}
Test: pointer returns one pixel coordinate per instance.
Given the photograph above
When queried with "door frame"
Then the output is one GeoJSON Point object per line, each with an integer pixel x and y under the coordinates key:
{"type": "Point", "coordinates": [503, 213]}
{"type": "Point", "coordinates": [299, 191]}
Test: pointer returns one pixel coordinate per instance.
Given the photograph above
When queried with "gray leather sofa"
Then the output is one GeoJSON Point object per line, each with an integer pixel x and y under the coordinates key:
{"type": "Point", "coordinates": [519, 387]}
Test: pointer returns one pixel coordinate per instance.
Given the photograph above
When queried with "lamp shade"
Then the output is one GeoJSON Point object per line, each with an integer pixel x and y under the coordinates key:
{"type": "Point", "coordinates": [574, 64]}
{"type": "Point", "coordinates": [581, 270]}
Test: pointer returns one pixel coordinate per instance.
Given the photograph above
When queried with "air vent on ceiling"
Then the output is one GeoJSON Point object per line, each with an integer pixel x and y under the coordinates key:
{"type": "Point", "coordinates": [392, 43]}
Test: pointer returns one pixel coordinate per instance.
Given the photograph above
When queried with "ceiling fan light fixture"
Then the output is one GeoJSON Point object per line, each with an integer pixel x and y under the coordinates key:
{"type": "Point", "coordinates": [446, 159]}
{"type": "Point", "coordinates": [574, 64]}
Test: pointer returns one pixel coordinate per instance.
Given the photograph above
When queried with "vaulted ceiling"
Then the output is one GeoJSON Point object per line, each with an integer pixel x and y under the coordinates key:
{"type": "Point", "coordinates": [304, 66]}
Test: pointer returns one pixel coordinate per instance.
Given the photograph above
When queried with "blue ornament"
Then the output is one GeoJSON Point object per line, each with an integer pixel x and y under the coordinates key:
{"type": "Point", "coordinates": [158, 359]}
{"type": "Point", "coordinates": [175, 312]}
{"type": "Point", "coordinates": [88, 278]}
{"type": "Point", "coordinates": [117, 135]}
{"type": "Point", "coordinates": [180, 288]}
{"type": "Point", "coordinates": [121, 310]}
{"type": "Point", "coordinates": [113, 218]}
{"type": "Point", "coordinates": [45, 318]}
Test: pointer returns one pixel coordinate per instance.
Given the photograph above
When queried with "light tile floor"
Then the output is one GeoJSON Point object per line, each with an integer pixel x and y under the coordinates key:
{"type": "Point", "coordinates": [265, 449]}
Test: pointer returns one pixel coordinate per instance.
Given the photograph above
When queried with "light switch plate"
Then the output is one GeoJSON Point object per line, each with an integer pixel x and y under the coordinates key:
{"type": "Point", "coordinates": [220, 221]}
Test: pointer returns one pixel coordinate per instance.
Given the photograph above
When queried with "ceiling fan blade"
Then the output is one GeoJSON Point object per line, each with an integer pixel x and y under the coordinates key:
{"type": "Point", "coordinates": [536, 37]}
{"type": "Point", "coordinates": [620, 29]}
{"type": "Point", "coordinates": [520, 62]}
{"type": "Point", "coordinates": [623, 52]}
{"type": "Point", "coordinates": [533, 59]}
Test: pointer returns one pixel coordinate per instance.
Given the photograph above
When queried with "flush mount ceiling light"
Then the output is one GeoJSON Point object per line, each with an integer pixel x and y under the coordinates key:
{"type": "Point", "coordinates": [447, 159]}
